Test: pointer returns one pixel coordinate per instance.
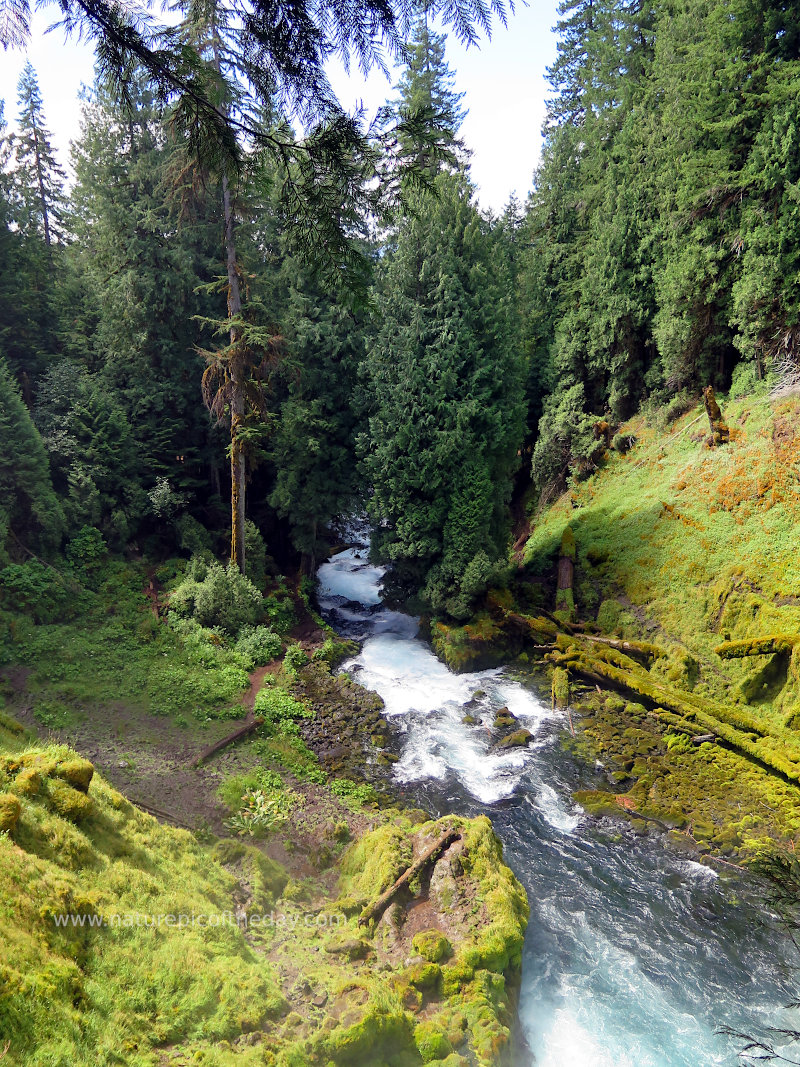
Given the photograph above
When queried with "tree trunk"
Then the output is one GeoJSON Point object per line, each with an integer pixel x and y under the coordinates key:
{"type": "Point", "coordinates": [237, 369]}
{"type": "Point", "coordinates": [42, 196]}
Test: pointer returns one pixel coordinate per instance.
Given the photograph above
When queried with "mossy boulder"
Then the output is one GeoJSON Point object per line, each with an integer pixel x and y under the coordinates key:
{"type": "Point", "coordinates": [597, 802]}
{"type": "Point", "coordinates": [10, 811]}
{"type": "Point", "coordinates": [519, 739]}
{"type": "Point", "coordinates": [432, 945]}
{"type": "Point", "coordinates": [68, 802]}
{"type": "Point", "coordinates": [352, 948]}
{"type": "Point", "coordinates": [76, 772]}
{"type": "Point", "coordinates": [424, 975]}
{"type": "Point", "coordinates": [27, 783]}
{"type": "Point", "coordinates": [432, 1042]}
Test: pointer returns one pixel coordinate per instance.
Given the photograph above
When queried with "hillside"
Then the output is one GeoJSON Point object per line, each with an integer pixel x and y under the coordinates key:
{"type": "Point", "coordinates": [693, 549]}
{"type": "Point", "coordinates": [128, 941]}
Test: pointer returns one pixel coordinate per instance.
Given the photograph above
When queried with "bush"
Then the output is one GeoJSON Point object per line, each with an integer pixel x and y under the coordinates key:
{"type": "Point", "coordinates": [218, 596]}
{"type": "Point", "coordinates": [279, 609]}
{"type": "Point", "coordinates": [86, 553]}
{"type": "Point", "coordinates": [258, 645]}
{"type": "Point", "coordinates": [294, 659]}
{"type": "Point", "coordinates": [38, 591]}
{"type": "Point", "coordinates": [280, 709]}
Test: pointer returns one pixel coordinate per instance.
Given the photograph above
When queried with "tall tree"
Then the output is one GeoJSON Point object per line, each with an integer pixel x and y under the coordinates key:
{"type": "Point", "coordinates": [39, 178]}
{"type": "Point", "coordinates": [446, 384]}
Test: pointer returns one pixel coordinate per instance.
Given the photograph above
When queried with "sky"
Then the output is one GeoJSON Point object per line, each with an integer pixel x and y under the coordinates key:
{"type": "Point", "coordinates": [503, 81]}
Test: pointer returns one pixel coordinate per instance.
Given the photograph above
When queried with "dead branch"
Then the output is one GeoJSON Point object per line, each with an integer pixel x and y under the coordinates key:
{"type": "Point", "coordinates": [374, 911]}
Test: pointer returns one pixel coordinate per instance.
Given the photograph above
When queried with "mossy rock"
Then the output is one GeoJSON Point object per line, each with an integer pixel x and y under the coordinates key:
{"type": "Point", "coordinates": [432, 1042]}
{"type": "Point", "coordinates": [470, 720]}
{"type": "Point", "coordinates": [7, 723]}
{"type": "Point", "coordinates": [519, 739]}
{"type": "Point", "coordinates": [502, 722]}
{"type": "Point", "coordinates": [76, 772]}
{"type": "Point", "coordinates": [424, 975]}
{"type": "Point", "coordinates": [27, 783]}
{"type": "Point", "coordinates": [432, 945]}
{"type": "Point", "coordinates": [70, 803]}
{"type": "Point", "coordinates": [10, 811]}
{"type": "Point", "coordinates": [352, 948]}
{"type": "Point", "coordinates": [597, 802]}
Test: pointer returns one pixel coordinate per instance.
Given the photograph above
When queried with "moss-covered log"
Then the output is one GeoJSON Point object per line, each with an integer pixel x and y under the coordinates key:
{"type": "Point", "coordinates": [757, 646]}
{"type": "Point", "coordinates": [742, 731]}
{"type": "Point", "coordinates": [375, 910]}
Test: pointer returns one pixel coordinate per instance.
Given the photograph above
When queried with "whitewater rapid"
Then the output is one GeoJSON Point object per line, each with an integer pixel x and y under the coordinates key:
{"type": "Point", "coordinates": [635, 957]}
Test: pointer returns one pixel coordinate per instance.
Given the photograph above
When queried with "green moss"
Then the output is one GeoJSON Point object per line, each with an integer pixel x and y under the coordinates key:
{"type": "Point", "coordinates": [10, 810]}
{"type": "Point", "coordinates": [432, 945]}
{"type": "Point", "coordinates": [432, 1042]}
{"type": "Point", "coordinates": [68, 802]}
{"type": "Point", "coordinates": [560, 688]}
{"type": "Point", "coordinates": [519, 739]}
{"type": "Point", "coordinates": [75, 772]}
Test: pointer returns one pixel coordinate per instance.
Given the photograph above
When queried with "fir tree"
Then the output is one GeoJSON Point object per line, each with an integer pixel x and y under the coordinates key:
{"type": "Point", "coordinates": [447, 422]}
{"type": "Point", "coordinates": [39, 180]}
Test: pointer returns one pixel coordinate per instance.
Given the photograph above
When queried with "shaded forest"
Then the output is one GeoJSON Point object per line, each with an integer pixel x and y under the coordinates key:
{"type": "Point", "coordinates": [197, 355]}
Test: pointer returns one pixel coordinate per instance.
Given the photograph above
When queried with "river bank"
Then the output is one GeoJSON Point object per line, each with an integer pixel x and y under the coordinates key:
{"type": "Point", "coordinates": [636, 953]}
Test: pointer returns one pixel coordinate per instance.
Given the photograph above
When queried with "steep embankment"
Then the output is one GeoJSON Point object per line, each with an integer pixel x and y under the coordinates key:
{"type": "Point", "coordinates": [677, 638]}
{"type": "Point", "coordinates": [691, 549]}
{"type": "Point", "coordinates": [127, 941]}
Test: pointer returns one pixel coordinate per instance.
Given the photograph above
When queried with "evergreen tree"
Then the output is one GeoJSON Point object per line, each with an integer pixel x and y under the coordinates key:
{"type": "Point", "coordinates": [30, 513]}
{"type": "Point", "coordinates": [39, 179]}
{"type": "Point", "coordinates": [132, 281]}
{"type": "Point", "coordinates": [447, 420]}
{"type": "Point", "coordinates": [313, 447]}
{"type": "Point", "coordinates": [429, 108]}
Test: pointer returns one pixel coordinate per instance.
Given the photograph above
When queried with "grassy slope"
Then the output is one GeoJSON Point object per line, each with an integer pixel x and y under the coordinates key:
{"type": "Point", "coordinates": [687, 547]}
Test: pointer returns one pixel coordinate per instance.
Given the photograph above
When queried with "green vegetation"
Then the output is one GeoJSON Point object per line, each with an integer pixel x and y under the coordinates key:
{"type": "Point", "coordinates": [694, 548]}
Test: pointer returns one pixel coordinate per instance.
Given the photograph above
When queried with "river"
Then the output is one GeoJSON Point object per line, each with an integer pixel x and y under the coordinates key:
{"type": "Point", "coordinates": [635, 956]}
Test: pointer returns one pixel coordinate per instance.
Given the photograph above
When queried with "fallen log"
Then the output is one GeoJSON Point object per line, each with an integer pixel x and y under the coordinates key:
{"type": "Point", "coordinates": [757, 646]}
{"type": "Point", "coordinates": [745, 734]}
{"type": "Point", "coordinates": [237, 735]}
{"type": "Point", "coordinates": [374, 911]}
{"type": "Point", "coordinates": [642, 650]}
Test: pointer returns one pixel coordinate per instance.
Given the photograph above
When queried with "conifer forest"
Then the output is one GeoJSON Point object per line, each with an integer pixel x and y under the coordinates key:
{"type": "Point", "coordinates": [399, 595]}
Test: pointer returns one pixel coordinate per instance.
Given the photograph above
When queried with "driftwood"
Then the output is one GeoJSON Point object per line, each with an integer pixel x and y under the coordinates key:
{"type": "Point", "coordinates": [374, 911]}
{"type": "Point", "coordinates": [243, 731]}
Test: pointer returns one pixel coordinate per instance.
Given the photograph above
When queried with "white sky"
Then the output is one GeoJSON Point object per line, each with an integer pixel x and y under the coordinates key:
{"type": "Point", "coordinates": [503, 82]}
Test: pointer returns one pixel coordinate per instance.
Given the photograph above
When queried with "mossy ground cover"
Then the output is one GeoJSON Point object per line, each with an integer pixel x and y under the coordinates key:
{"type": "Point", "coordinates": [256, 966]}
{"type": "Point", "coordinates": [298, 843]}
{"type": "Point", "coordinates": [691, 548]}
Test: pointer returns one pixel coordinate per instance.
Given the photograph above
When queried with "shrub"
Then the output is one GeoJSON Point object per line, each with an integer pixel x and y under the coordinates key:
{"type": "Point", "coordinates": [356, 793]}
{"type": "Point", "coordinates": [258, 645]}
{"type": "Point", "coordinates": [294, 659]}
{"type": "Point", "coordinates": [218, 596]}
{"type": "Point", "coordinates": [280, 708]}
{"type": "Point", "coordinates": [38, 591]}
{"type": "Point", "coordinates": [86, 552]}
{"type": "Point", "coordinates": [279, 609]}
